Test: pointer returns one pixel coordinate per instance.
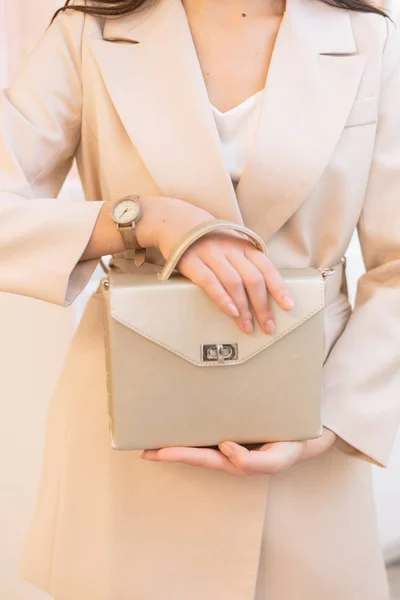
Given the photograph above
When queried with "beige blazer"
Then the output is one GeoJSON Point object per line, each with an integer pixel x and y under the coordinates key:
{"type": "Point", "coordinates": [326, 160]}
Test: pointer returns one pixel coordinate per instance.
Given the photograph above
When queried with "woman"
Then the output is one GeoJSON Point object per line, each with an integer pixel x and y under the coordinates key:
{"type": "Point", "coordinates": [283, 115]}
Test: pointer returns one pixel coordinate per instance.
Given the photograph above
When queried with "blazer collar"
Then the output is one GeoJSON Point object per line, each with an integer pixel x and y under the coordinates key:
{"type": "Point", "coordinates": [326, 29]}
{"type": "Point", "coordinates": [323, 28]}
{"type": "Point", "coordinates": [158, 89]}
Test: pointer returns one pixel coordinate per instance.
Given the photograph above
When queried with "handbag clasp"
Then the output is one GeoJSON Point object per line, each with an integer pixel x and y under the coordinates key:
{"type": "Point", "coordinates": [219, 353]}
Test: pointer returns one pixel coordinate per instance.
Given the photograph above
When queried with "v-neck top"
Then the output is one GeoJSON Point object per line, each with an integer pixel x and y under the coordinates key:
{"type": "Point", "coordinates": [237, 128]}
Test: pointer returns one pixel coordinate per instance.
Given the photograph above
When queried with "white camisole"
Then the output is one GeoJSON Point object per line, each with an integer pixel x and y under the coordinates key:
{"type": "Point", "coordinates": [237, 128]}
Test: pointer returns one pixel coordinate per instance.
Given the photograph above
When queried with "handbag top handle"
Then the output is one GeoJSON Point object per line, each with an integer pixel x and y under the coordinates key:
{"type": "Point", "coordinates": [200, 231]}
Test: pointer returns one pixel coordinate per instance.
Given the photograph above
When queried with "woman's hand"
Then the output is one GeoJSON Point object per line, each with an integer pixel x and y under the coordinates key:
{"type": "Point", "coordinates": [269, 459]}
{"type": "Point", "coordinates": [231, 271]}
{"type": "Point", "coordinates": [235, 275]}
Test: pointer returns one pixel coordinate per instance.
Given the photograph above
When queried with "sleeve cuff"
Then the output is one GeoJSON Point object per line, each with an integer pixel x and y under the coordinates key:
{"type": "Point", "coordinates": [355, 441]}
{"type": "Point", "coordinates": [46, 240]}
{"type": "Point", "coordinates": [350, 450]}
{"type": "Point", "coordinates": [80, 273]}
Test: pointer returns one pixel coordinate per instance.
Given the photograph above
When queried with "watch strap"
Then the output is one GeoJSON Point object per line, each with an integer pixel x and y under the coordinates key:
{"type": "Point", "coordinates": [137, 256]}
{"type": "Point", "coordinates": [129, 236]}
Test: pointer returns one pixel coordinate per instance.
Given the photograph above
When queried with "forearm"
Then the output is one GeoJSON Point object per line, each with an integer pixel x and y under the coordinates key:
{"type": "Point", "coordinates": [164, 220]}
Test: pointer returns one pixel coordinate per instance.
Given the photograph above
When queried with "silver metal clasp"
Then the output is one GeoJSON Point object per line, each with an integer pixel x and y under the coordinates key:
{"type": "Point", "coordinates": [219, 353]}
{"type": "Point", "coordinates": [325, 273]}
{"type": "Point", "coordinates": [328, 271]}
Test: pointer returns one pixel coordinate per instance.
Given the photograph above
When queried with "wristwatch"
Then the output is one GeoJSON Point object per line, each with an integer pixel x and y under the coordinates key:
{"type": "Point", "coordinates": [126, 213]}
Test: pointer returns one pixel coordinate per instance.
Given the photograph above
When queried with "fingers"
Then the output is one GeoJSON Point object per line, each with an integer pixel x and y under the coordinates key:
{"type": "Point", "coordinates": [237, 277]}
{"type": "Point", "coordinates": [276, 457]}
{"type": "Point", "coordinates": [196, 457]}
{"type": "Point", "coordinates": [255, 285]}
{"type": "Point", "coordinates": [233, 458]}
{"type": "Point", "coordinates": [233, 283]}
{"type": "Point", "coordinates": [199, 273]}
{"type": "Point", "coordinates": [269, 460]}
{"type": "Point", "coordinates": [273, 280]}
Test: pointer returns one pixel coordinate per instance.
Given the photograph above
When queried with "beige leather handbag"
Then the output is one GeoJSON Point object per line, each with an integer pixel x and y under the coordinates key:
{"type": "Point", "coordinates": [181, 373]}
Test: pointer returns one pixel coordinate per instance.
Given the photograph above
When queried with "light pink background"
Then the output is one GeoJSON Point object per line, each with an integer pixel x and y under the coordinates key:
{"type": "Point", "coordinates": [22, 22]}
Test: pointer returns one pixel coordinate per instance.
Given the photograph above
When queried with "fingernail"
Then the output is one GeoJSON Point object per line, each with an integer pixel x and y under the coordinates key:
{"type": "Point", "coordinates": [269, 326]}
{"type": "Point", "coordinates": [248, 326]}
{"type": "Point", "coordinates": [288, 302]}
{"type": "Point", "coordinates": [232, 310]}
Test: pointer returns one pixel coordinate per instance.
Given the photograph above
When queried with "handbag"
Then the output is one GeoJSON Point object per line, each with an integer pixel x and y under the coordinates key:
{"type": "Point", "coordinates": [181, 373]}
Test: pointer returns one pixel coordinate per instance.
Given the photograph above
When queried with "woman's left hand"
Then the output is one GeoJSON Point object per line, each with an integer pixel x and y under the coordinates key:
{"type": "Point", "coordinates": [232, 458]}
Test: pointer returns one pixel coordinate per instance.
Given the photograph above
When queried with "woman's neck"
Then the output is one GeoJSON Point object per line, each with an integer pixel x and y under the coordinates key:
{"type": "Point", "coordinates": [226, 8]}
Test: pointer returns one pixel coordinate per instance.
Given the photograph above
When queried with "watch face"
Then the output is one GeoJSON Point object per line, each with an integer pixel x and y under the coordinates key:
{"type": "Point", "coordinates": [126, 211]}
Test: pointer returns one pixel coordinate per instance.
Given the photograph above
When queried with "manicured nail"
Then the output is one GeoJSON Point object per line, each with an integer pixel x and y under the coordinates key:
{"type": "Point", "coordinates": [269, 326]}
{"type": "Point", "coordinates": [232, 310]}
{"type": "Point", "coordinates": [288, 302]}
{"type": "Point", "coordinates": [248, 326]}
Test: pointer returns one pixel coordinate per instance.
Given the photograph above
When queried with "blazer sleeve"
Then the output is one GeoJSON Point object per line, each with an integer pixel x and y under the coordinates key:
{"type": "Point", "coordinates": [42, 239]}
{"type": "Point", "coordinates": [362, 374]}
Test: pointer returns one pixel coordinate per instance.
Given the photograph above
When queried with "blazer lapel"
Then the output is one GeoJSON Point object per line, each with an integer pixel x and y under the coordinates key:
{"type": "Point", "coordinates": [151, 70]}
{"type": "Point", "coordinates": [158, 90]}
{"type": "Point", "coordinates": [313, 80]}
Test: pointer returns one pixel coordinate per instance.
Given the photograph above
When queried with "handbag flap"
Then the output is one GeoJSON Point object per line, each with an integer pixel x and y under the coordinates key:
{"type": "Point", "coordinates": [177, 315]}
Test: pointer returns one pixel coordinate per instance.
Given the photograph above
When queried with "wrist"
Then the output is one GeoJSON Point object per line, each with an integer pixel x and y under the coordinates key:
{"type": "Point", "coordinates": [148, 228]}
{"type": "Point", "coordinates": [165, 220]}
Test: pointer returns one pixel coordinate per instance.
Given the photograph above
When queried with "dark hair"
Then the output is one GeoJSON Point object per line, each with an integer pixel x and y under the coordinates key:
{"type": "Point", "coordinates": [119, 8]}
